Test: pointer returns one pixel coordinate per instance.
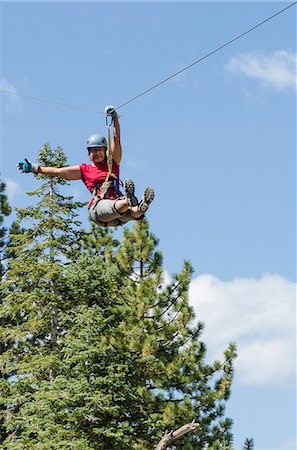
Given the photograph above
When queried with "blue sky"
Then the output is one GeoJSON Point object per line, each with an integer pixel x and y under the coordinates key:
{"type": "Point", "coordinates": [217, 143]}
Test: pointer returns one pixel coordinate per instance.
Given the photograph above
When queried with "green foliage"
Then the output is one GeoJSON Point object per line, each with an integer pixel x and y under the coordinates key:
{"type": "Point", "coordinates": [5, 211]}
{"type": "Point", "coordinates": [30, 321]}
{"type": "Point", "coordinates": [99, 242]}
{"type": "Point", "coordinates": [178, 385]}
{"type": "Point", "coordinates": [55, 233]}
{"type": "Point", "coordinates": [99, 352]}
{"type": "Point", "coordinates": [9, 254]}
{"type": "Point", "coordinates": [248, 444]}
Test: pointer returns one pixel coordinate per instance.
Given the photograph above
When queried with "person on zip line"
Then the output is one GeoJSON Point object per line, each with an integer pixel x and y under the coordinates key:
{"type": "Point", "coordinates": [108, 206]}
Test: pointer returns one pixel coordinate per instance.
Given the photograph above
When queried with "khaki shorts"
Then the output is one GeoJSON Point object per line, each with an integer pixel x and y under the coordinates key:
{"type": "Point", "coordinates": [104, 213]}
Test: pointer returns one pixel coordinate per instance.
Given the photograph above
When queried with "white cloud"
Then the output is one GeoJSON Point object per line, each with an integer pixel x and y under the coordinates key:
{"type": "Point", "coordinates": [12, 189]}
{"type": "Point", "coordinates": [289, 444]}
{"type": "Point", "coordinates": [167, 279]}
{"type": "Point", "coordinates": [276, 70]}
{"type": "Point", "coordinates": [14, 102]}
{"type": "Point", "coordinates": [257, 314]}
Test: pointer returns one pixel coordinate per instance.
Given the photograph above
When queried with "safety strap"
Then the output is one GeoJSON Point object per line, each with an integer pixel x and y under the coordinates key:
{"type": "Point", "coordinates": [109, 152]}
{"type": "Point", "coordinates": [101, 190]}
{"type": "Point", "coordinates": [106, 185]}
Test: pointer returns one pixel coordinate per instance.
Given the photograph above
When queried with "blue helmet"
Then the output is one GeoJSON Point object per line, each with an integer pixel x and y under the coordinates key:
{"type": "Point", "coordinates": [96, 140]}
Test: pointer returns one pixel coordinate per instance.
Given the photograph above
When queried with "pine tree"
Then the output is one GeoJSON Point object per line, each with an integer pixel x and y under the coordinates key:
{"type": "Point", "coordinates": [6, 252]}
{"type": "Point", "coordinates": [177, 385]}
{"type": "Point", "coordinates": [105, 355]}
{"type": "Point", "coordinates": [132, 363]}
{"type": "Point", "coordinates": [31, 295]}
{"type": "Point", "coordinates": [98, 242]}
{"type": "Point", "coordinates": [5, 256]}
{"type": "Point", "coordinates": [5, 211]}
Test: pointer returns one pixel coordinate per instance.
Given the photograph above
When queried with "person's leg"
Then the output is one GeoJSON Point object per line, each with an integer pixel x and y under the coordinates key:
{"type": "Point", "coordinates": [105, 212]}
{"type": "Point", "coordinates": [121, 205]}
{"type": "Point", "coordinates": [137, 211]}
{"type": "Point", "coordinates": [129, 216]}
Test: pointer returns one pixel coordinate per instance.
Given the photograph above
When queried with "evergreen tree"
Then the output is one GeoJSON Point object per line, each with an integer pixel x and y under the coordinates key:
{"type": "Point", "coordinates": [31, 296]}
{"type": "Point", "coordinates": [177, 384]}
{"type": "Point", "coordinates": [98, 242]}
{"type": "Point", "coordinates": [104, 355]}
{"type": "Point", "coordinates": [5, 256]}
{"type": "Point", "coordinates": [5, 210]}
{"type": "Point", "coordinates": [8, 251]}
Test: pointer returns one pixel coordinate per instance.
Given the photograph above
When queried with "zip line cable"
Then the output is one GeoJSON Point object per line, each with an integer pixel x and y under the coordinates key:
{"type": "Point", "coordinates": [163, 81]}
{"type": "Point", "coordinates": [206, 56]}
{"type": "Point", "coordinates": [50, 101]}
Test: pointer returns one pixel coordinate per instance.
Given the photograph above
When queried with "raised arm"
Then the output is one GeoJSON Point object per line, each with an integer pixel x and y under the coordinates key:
{"type": "Point", "coordinates": [116, 146]}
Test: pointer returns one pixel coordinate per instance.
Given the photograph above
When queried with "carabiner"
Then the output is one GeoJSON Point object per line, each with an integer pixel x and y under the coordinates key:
{"type": "Point", "coordinates": [111, 121]}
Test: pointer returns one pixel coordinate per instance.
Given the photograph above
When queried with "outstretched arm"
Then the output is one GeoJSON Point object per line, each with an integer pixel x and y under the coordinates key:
{"type": "Point", "coordinates": [68, 173]}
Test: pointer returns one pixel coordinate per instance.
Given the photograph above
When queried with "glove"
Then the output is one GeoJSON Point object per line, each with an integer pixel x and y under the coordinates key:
{"type": "Point", "coordinates": [110, 111]}
{"type": "Point", "coordinates": [27, 166]}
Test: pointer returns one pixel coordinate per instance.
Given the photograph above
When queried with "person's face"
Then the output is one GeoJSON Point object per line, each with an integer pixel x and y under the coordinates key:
{"type": "Point", "coordinates": [97, 154]}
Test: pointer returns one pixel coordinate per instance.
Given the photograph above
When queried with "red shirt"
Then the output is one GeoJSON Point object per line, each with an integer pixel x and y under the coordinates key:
{"type": "Point", "coordinates": [94, 175]}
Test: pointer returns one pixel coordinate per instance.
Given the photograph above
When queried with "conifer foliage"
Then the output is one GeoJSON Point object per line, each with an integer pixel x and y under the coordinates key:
{"type": "Point", "coordinates": [249, 444]}
{"type": "Point", "coordinates": [5, 210]}
{"type": "Point", "coordinates": [177, 384]}
{"type": "Point", "coordinates": [31, 307]}
{"type": "Point", "coordinates": [102, 352]}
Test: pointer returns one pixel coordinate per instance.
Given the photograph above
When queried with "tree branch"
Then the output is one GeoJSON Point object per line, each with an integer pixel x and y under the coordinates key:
{"type": "Point", "coordinates": [172, 436]}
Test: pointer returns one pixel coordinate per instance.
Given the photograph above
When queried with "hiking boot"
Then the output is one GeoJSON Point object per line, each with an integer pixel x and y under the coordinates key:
{"type": "Point", "coordinates": [147, 198]}
{"type": "Point", "coordinates": [129, 193]}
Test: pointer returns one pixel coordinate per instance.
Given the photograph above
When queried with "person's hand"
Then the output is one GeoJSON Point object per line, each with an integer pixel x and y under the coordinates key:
{"type": "Point", "coordinates": [27, 167]}
{"type": "Point", "coordinates": [110, 111]}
